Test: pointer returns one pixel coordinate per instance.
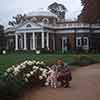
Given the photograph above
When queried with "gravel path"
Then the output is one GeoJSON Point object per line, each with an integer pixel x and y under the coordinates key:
{"type": "Point", "coordinates": [84, 86]}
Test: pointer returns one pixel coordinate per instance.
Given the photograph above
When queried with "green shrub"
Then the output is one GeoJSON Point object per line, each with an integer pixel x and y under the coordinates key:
{"type": "Point", "coordinates": [10, 89]}
{"type": "Point", "coordinates": [83, 60]}
{"type": "Point", "coordinates": [46, 50]}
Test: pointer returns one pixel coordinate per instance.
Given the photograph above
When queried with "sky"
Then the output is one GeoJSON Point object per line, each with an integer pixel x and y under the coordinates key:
{"type": "Point", "coordinates": [9, 8]}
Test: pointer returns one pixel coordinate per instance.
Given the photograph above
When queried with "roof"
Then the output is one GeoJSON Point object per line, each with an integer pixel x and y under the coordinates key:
{"type": "Point", "coordinates": [41, 13]}
{"type": "Point", "coordinates": [10, 29]}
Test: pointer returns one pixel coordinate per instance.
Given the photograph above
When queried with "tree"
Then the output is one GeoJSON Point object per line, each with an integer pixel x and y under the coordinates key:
{"type": "Point", "coordinates": [90, 12]}
{"type": "Point", "coordinates": [1, 29]}
{"type": "Point", "coordinates": [17, 19]}
{"type": "Point", "coordinates": [58, 9]}
{"type": "Point", "coordinates": [2, 38]}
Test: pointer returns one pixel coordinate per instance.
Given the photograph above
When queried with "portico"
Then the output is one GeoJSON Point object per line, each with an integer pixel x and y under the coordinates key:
{"type": "Point", "coordinates": [31, 36]}
{"type": "Point", "coordinates": [31, 40]}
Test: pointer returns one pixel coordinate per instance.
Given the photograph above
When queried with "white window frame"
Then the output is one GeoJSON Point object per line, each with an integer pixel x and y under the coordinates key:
{"type": "Point", "coordinates": [86, 46]}
{"type": "Point", "coordinates": [34, 19]}
{"type": "Point", "coordinates": [28, 25]}
{"type": "Point", "coordinates": [87, 40]}
{"type": "Point", "coordinates": [64, 48]}
{"type": "Point", "coordinates": [45, 19]}
{"type": "Point", "coordinates": [80, 39]}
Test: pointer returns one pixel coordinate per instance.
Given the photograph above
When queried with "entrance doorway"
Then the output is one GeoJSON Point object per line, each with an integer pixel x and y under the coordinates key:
{"type": "Point", "coordinates": [38, 41]}
{"type": "Point", "coordinates": [29, 42]}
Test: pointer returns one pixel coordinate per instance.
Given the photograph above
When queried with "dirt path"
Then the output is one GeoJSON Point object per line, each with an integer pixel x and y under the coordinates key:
{"type": "Point", "coordinates": [84, 86]}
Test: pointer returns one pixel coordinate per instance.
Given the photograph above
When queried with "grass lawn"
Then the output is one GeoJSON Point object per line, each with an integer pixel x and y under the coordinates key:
{"type": "Point", "coordinates": [12, 87]}
{"type": "Point", "coordinates": [14, 58]}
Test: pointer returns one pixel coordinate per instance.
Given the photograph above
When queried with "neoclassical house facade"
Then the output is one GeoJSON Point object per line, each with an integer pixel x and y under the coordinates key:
{"type": "Point", "coordinates": [44, 29]}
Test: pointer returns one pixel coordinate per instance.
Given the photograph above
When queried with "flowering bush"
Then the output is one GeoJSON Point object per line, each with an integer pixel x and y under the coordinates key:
{"type": "Point", "coordinates": [28, 71]}
{"type": "Point", "coordinates": [19, 76]}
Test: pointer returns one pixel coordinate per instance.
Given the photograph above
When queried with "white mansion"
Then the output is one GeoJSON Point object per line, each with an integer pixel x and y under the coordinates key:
{"type": "Point", "coordinates": [43, 29]}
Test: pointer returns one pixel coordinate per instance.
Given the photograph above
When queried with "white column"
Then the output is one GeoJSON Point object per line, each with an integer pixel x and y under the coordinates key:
{"type": "Point", "coordinates": [25, 41]}
{"type": "Point", "coordinates": [16, 41]}
{"type": "Point", "coordinates": [47, 39]}
{"type": "Point", "coordinates": [33, 40]}
{"type": "Point", "coordinates": [42, 39]}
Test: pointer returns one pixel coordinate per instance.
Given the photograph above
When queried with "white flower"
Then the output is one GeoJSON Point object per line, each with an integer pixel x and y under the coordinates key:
{"type": "Point", "coordinates": [25, 62]}
{"type": "Point", "coordinates": [13, 66]}
{"type": "Point", "coordinates": [30, 63]}
{"type": "Point", "coordinates": [34, 61]}
{"type": "Point", "coordinates": [19, 67]}
{"type": "Point", "coordinates": [23, 66]}
{"type": "Point", "coordinates": [28, 75]}
{"type": "Point", "coordinates": [45, 70]}
{"type": "Point", "coordinates": [34, 71]}
{"type": "Point", "coordinates": [41, 69]}
{"type": "Point", "coordinates": [44, 75]}
{"type": "Point", "coordinates": [31, 72]}
{"type": "Point", "coordinates": [40, 77]}
{"type": "Point", "coordinates": [16, 69]}
{"type": "Point", "coordinates": [9, 69]}
{"type": "Point", "coordinates": [35, 67]}
{"type": "Point", "coordinates": [42, 63]}
{"type": "Point", "coordinates": [26, 80]}
{"type": "Point", "coordinates": [37, 62]}
{"type": "Point", "coordinates": [15, 73]}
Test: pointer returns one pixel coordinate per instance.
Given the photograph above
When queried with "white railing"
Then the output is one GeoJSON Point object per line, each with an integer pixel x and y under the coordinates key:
{"type": "Point", "coordinates": [67, 25]}
{"type": "Point", "coordinates": [95, 26]}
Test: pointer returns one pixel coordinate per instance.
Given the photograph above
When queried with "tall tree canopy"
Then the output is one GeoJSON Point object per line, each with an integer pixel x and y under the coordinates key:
{"type": "Point", "coordinates": [17, 19]}
{"type": "Point", "coordinates": [58, 9]}
{"type": "Point", "coordinates": [1, 29]}
{"type": "Point", "coordinates": [90, 12]}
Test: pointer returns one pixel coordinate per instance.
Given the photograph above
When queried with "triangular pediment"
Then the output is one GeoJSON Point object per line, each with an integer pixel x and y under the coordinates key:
{"type": "Point", "coordinates": [28, 25]}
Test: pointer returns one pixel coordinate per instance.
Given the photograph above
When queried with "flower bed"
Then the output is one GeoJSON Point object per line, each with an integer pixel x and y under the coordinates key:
{"type": "Point", "coordinates": [23, 75]}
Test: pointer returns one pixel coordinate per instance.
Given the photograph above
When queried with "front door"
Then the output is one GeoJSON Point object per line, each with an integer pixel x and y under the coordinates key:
{"type": "Point", "coordinates": [64, 44]}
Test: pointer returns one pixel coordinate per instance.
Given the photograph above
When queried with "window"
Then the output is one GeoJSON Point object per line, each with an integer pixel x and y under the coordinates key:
{"type": "Point", "coordinates": [85, 41]}
{"type": "Point", "coordinates": [28, 25]}
{"type": "Point", "coordinates": [34, 19]}
{"type": "Point", "coordinates": [64, 44]}
{"type": "Point", "coordinates": [82, 42]}
{"type": "Point", "coordinates": [78, 42]}
{"type": "Point", "coordinates": [45, 20]}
